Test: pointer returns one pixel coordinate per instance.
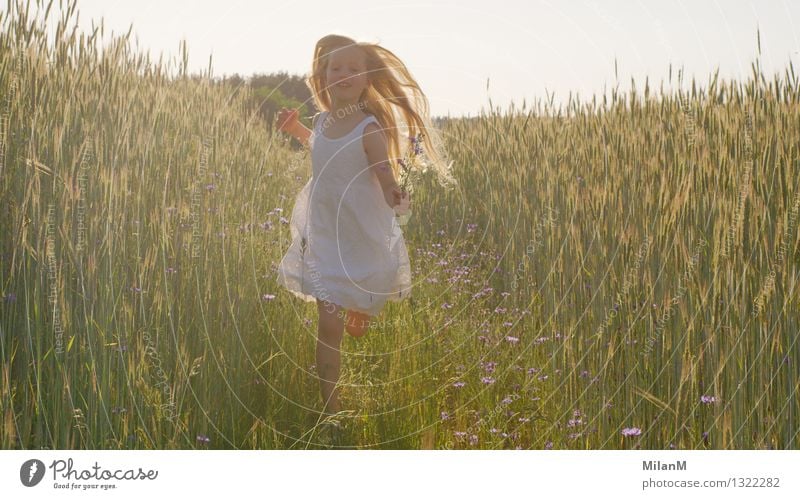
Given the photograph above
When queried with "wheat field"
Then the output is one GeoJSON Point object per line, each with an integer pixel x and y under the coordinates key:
{"type": "Point", "coordinates": [615, 273]}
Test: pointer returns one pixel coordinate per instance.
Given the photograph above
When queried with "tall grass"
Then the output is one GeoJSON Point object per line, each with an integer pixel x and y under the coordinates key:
{"type": "Point", "coordinates": [600, 268]}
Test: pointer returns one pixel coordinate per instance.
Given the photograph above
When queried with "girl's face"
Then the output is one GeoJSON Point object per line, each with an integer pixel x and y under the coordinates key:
{"type": "Point", "coordinates": [346, 75]}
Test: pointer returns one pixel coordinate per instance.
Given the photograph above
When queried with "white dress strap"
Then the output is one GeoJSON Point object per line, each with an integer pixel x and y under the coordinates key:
{"type": "Point", "coordinates": [361, 126]}
{"type": "Point", "coordinates": [357, 131]}
{"type": "Point", "coordinates": [320, 121]}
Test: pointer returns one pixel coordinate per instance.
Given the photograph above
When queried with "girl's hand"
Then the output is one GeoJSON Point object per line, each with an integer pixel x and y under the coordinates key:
{"type": "Point", "coordinates": [405, 203]}
{"type": "Point", "coordinates": [287, 119]}
{"type": "Point", "coordinates": [395, 196]}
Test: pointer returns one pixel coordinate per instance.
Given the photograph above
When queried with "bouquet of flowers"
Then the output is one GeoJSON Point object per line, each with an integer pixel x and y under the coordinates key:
{"type": "Point", "coordinates": [412, 164]}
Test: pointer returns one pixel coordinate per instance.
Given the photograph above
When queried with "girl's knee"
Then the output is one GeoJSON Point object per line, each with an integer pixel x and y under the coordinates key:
{"type": "Point", "coordinates": [331, 325]}
{"type": "Point", "coordinates": [327, 307]}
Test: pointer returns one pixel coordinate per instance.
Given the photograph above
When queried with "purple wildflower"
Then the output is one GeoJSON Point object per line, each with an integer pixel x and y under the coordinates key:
{"type": "Point", "coordinates": [417, 143]}
{"type": "Point", "coordinates": [631, 432]}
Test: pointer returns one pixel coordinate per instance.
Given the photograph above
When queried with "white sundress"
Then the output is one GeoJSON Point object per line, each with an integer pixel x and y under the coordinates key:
{"type": "Point", "coordinates": [346, 244]}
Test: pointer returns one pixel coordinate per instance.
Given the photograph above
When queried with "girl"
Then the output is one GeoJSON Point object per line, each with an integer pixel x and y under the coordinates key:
{"type": "Point", "coordinates": [347, 250]}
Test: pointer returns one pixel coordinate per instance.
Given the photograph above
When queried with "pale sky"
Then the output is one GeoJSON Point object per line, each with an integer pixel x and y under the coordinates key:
{"type": "Point", "coordinates": [526, 48]}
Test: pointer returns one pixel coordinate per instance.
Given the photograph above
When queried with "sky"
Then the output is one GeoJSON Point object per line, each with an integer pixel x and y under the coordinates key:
{"type": "Point", "coordinates": [525, 49]}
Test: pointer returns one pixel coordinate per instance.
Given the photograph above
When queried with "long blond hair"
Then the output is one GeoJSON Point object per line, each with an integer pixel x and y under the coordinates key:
{"type": "Point", "coordinates": [388, 78]}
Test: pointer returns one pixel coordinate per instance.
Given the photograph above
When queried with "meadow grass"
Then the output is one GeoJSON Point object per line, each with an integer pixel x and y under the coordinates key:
{"type": "Point", "coordinates": [617, 273]}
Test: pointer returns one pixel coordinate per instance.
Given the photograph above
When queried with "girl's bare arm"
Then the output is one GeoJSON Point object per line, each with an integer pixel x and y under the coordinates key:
{"type": "Point", "coordinates": [300, 132]}
{"type": "Point", "coordinates": [378, 156]}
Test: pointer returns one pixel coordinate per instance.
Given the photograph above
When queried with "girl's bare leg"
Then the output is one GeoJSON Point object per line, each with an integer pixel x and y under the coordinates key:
{"type": "Point", "coordinates": [329, 338]}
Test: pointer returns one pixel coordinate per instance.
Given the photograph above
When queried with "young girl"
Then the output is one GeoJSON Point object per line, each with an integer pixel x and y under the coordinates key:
{"type": "Point", "coordinates": [347, 250]}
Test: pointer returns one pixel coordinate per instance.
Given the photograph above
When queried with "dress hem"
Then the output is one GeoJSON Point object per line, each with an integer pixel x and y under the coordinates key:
{"type": "Point", "coordinates": [309, 297]}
